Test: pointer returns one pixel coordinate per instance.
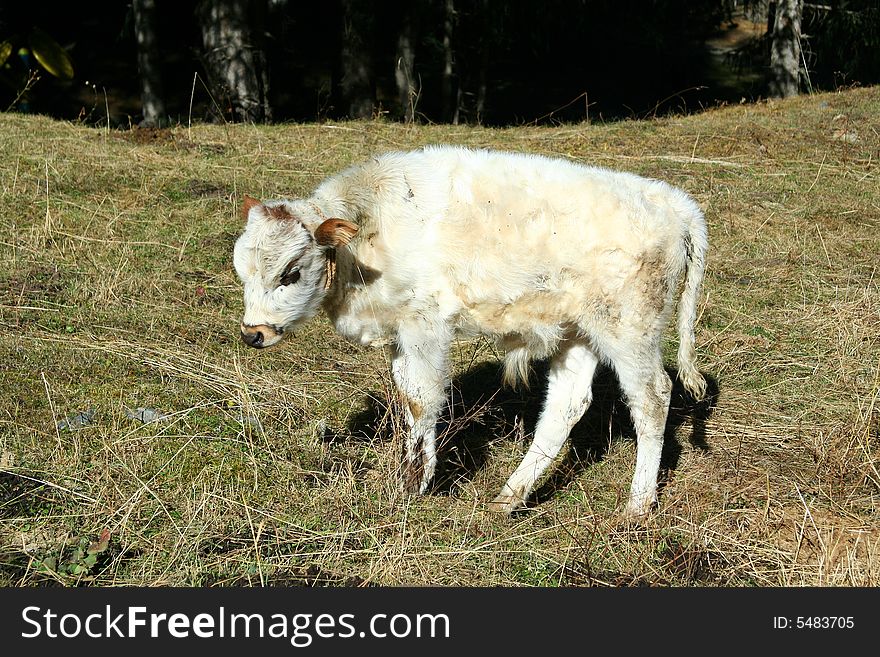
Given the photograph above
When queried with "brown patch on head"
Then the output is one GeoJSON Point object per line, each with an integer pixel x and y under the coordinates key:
{"type": "Point", "coordinates": [248, 203]}
{"type": "Point", "coordinates": [279, 212]}
{"type": "Point", "coordinates": [335, 232]}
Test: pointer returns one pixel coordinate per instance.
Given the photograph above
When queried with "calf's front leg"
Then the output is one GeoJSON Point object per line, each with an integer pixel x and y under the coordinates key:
{"type": "Point", "coordinates": [420, 368]}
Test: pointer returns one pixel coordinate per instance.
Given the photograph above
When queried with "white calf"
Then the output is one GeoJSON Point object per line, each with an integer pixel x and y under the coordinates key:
{"type": "Point", "coordinates": [550, 258]}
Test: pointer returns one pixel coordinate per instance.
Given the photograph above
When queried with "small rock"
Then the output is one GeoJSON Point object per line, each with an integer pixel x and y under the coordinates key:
{"type": "Point", "coordinates": [145, 415]}
{"type": "Point", "coordinates": [77, 420]}
{"type": "Point", "coordinates": [250, 420]}
{"type": "Point", "coordinates": [324, 432]}
{"type": "Point", "coordinates": [849, 136]}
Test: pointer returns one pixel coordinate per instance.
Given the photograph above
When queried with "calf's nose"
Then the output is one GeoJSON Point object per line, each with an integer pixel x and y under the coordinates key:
{"type": "Point", "coordinates": [252, 338]}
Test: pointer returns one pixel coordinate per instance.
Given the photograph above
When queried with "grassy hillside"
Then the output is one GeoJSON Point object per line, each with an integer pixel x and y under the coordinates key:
{"type": "Point", "coordinates": [117, 294]}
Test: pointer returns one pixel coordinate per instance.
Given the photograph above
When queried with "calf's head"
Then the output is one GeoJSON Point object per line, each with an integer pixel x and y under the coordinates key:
{"type": "Point", "coordinates": [284, 258]}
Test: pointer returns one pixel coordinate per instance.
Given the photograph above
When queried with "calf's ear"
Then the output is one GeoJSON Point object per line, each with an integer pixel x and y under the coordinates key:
{"type": "Point", "coordinates": [335, 232]}
{"type": "Point", "coordinates": [248, 203]}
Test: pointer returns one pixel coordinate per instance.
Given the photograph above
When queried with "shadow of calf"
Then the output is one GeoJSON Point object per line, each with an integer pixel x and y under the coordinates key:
{"type": "Point", "coordinates": [480, 412]}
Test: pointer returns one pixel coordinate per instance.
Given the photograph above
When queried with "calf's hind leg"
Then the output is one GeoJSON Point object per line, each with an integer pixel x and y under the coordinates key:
{"type": "Point", "coordinates": [647, 390]}
{"type": "Point", "coordinates": [569, 393]}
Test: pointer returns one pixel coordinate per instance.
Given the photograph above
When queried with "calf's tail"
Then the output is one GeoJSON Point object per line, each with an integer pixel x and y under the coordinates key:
{"type": "Point", "coordinates": [695, 245]}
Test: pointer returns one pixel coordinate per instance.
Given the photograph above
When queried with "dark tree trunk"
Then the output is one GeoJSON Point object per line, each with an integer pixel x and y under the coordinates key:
{"type": "Point", "coordinates": [234, 57]}
{"type": "Point", "coordinates": [146, 35]}
{"type": "Point", "coordinates": [485, 47]}
{"type": "Point", "coordinates": [404, 70]}
{"type": "Point", "coordinates": [474, 79]}
{"type": "Point", "coordinates": [785, 49]}
{"type": "Point", "coordinates": [448, 91]}
{"type": "Point", "coordinates": [357, 85]}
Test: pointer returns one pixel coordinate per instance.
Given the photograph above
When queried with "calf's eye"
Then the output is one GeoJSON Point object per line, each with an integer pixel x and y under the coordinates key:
{"type": "Point", "coordinates": [290, 276]}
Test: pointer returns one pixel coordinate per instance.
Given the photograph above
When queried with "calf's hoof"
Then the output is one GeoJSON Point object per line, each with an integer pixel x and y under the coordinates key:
{"type": "Point", "coordinates": [506, 503]}
{"type": "Point", "coordinates": [410, 486]}
{"type": "Point", "coordinates": [637, 511]}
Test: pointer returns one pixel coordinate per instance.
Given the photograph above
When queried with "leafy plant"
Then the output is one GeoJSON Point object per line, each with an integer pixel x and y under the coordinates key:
{"type": "Point", "coordinates": [82, 559]}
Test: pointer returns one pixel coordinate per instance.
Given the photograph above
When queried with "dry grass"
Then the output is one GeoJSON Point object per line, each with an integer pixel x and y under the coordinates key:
{"type": "Point", "coordinates": [116, 292]}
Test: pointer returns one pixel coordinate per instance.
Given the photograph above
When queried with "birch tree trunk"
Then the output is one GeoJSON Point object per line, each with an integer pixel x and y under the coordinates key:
{"type": "Point", "coordinates": [146, 35]}
{"type": "Point", "coordinates": [232, 32]}
{"type": "Point", "coordinates": [785, 49]}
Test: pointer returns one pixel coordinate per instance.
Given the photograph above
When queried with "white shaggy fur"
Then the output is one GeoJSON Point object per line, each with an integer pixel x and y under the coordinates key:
{"type": "Point", "coordinates": [550, 258]}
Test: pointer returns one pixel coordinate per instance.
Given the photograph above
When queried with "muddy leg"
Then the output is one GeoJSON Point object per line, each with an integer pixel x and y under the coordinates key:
{"type": "Point", "coordinates": [419, 366]}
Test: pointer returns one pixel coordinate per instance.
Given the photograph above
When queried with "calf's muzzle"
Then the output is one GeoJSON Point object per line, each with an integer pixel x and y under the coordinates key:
{"type": "Point", "coordinates": [257, 336]}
